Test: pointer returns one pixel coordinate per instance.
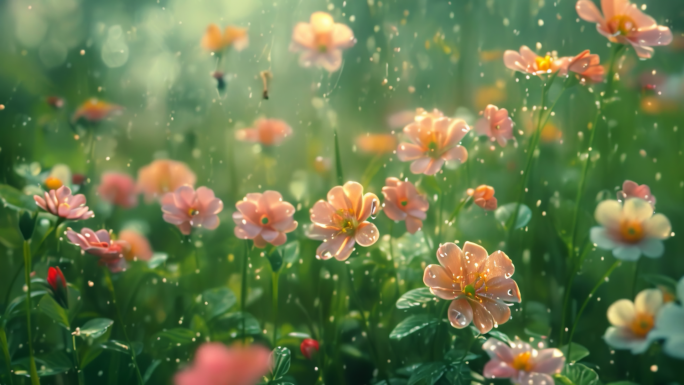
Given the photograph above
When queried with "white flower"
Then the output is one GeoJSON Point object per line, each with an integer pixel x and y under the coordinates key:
{"type": "Point", "coordinates": [633, 321]}
{"type": "Point", "coordinates": [670, 325]}
{"type": "Point", "coordinates": [630, 229]}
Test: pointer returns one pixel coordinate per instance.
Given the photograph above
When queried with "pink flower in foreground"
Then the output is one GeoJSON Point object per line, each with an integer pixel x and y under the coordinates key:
{"type": "Point", "coordinates": [496, 124]}
{"type": "Point", "coordinates": [187, 208]}
{"type": "Point", "coordinates": [60, 202]}
{"type": "Point", "coordinates": [587, 66]}
{"type": "Point", "coordinates": [269, 132]}
{"type": "Point", "coordinates": [341, 221]}
{"type": "Point", "coordinates": [521, 363]}
{"type": "Point", "coordinates": [622, 22]}
{"type": "Point", "coordinates": [100, 244]}
{"type": "Point", "coordinates": [322, 41]}
{"type": "Point", "coordinates": [434, 140]}
{"type": "Point", "coordinates": [264, 218]}
{"type": "Point", "coordinates": [403, 203]}
{"type": "Point", "coordinates": [162, 176]}
{"type": "Point", "coordinates": [119, 189]}
{"type": "Point", "coordinates": [139, 247]}
{"type": "Point", "coordinates": [526, 61]}
{"type": "Point", "coordinates": [216, 364]}
{"type": "Point", "coordinates": [633, 190]}
{"type": "Point", "coordinates": [483, 196]}
{"type": "Point", "coordinates": [477, 283]}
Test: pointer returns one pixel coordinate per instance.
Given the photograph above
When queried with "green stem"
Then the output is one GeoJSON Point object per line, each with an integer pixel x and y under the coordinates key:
{"type": "Point", "coordinates": [77, 365]}
{"type": "Point", "coordinates": [438, 347]}
{"type": "Point", "coordinates": [636, 277]}
{"type": "Point", "coordinates": [243, 290]}
{"type": "Point", "coordinates": [338, 160]}
{"type": "Point", "coordinates": [574, 268]}
{"type": "Point", "coordinates": [5, 351]}
{"type": "Point", "coordinates": [110, 284]}
{"type": "Point", "coordinates": [274, 284]}
{"type": "Point", "coordinates": [586, 301]}
{"type": "Point", "coordinates": [35, 380]}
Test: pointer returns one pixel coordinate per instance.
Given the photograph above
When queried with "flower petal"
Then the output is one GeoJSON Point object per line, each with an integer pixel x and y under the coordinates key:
{"type": "Point", "coordinates": [588, 11]}
{"type": "Point", "coordinates": [648, 301]}
{"type": "Point", "coordinates": [497, 349]}
{"type": "Point", "coordinates": [627, 253]}
{"type": "Point", "coordinates": [460, 313]}
{"type": "Point", "coordinates": [608, 213]}
{"type": "Point", "coordinates": [658, 226]}
{"type": "Point", "coordinates": [366, 234]}
{"type": "Point", "coordinates": [621, 313]}
{"type": "Point", "coordinates": [498, 369]}
{"type": "Point", "coordinates": [652, 248]}
{"type": "Point", "coordinates": [601, 237]}
{"type": "Point", "coordinates": [548, 361]}
{"type": "Point", "coordinates": [637, 209]}
{"type": "Point", "coordinates": [482, 319]}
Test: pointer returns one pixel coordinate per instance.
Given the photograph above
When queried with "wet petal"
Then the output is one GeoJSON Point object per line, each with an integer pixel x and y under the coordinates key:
{"type": "Point", "coordinates": [534, 379]}
{"type": "Point", "coordinates": [393, 212]}
{"type": "Point", "coordinates": [652, 248]}
{"type": "Point", "coordinates": [482, 319]}
{"type": "Point", "coordinates": [342, 36]}
{"type": "Point", "coordinates": [450, 256]}
{"type": "Point", "coordinates": [499, 311]}
{"type": "Point", "coordinates": [409, 151]}
{"type": "Point", "coordinates": [627, 253]}
{"type": "Point", "coordinates": [435, 276]}
{"type": "Point", "coordinates": [602, 239]}
{"type": "Point", "coordinates": [303, 36]}
{"type": "Point", "coordinates": [460, 313]}
{"type": "Point", "coordinates": [498, 264]}
{"type": "Point", "coordinates": [501, 288]}
{"type": "Point", "coordinates": [498, 369]}
{"type": "Point", "coordinates": [338, 199]}
{"type": "Point", "coordinates": [548, 361]}
{"type": "Point", "coordinates": [475, 257]}
{"type": "Point", "coordinates": [366, 234]}
{"type": "Point", "coordinates": [497, 349]}
{"type": "Point", "coordinates": [413, 224]}
{"type": "Point", "coordinates": [370, 204]}
{"type": "Point", "coordinates": [588, 11]}
{"type": "Point", "coordinates": [322, 213]}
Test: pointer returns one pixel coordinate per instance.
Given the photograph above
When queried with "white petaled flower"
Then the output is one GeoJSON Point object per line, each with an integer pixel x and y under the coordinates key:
{"type": "Point", "coordinates": [633, 322]}
{"type": "Point", "coordinates": [630, 230]}
{"type": "Point", "coordinates": [669, 325]}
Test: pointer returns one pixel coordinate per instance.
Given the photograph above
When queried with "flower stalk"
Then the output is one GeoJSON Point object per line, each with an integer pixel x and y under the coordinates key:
{"type": "Point", "coordinates": [35, 380]}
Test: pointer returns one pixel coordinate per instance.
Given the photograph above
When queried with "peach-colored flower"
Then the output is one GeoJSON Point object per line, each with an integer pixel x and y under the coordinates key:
{"type": "Point", "coordinates": [634, 190]}
{"type": "Point", "coordinates": [162, 176]}
{"type": "Point", "coordinates": [95, 110]}
{"type": "Point", "coordinates": [187, 208]}
{"type": "Point", "coordinates": [403, 203]}
{"type": "Point", "coordinates": [529, 62]}
{"type": "Point", "coordinates": [268, 132]}
{"type": "Point", "coordinates": [496, 124]}
{"type": "Point", "coordinates": [60, 202]}
{"type": "Point", "coordinates": [100, 244]}
{"type": "Point", "coordinates": [521, 363]}
{"type": "Point", "coordinates": [434, 140]}
{"type": "Point", "coordinates": [483, 196]}
{"type": "Point", "coordinates": [622, 22]}
{"type": "Point", "coordinates": [587, 66]}
{"type": "Point", "coordinates": [139, 247]}
{"type": "Point", "coordinates": [119, 189]}
{"type": "Point", "coordinates": [376, 143]}
{"type": "Point", "coordinates": [477, 283]}
{"type": "Point", "coordinates": [264, 218]}
{"type": "Point", "coordinates": [214, 41]}
{"type": "Point", "coordinates": [216, 364]}
{"type": "Point", "coordinates": [341, 221]}
{"type": "Point", "coordinates": [322, 41]}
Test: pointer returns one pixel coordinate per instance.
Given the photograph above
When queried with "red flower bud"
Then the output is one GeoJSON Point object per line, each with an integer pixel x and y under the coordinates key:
{"type": "Point", "coordinates": [58, 283]}
{"type": "Point", "coordinates": [309, 348]}
{"type": "Point", "coordinates": [78, 179]}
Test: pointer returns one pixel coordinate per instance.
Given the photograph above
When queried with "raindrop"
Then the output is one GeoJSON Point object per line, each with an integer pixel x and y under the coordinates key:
{"type": "Point", "coordinates": [374, 209]}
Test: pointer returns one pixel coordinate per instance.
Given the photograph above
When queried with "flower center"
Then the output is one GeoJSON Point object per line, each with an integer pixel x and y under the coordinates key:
{"type": "Point", "coordinates": [631, 231]}
{"type": "Point", "coordinates": [622, 25]}
{"type": "Point", "coordinates": [642, 324]}
{"type": "Point", "coordinates": [53, 183]}
{"type": "Point", "coordinates": [543, 63]}
{"type": "Point", "coordinates": [432, 149]}
{"type": "Point", "coordinates": [264, 220]}
{"type": "Point", "coordinates": [192, 211]}
{"type": "Point", "coordinates": [469, 290]}
{"type": "Point", "coordinates": [322, 41]}
{"type": "Point", "coordinates": [403, 202]}
{"type": "Point", "coordinates": [522, 362]}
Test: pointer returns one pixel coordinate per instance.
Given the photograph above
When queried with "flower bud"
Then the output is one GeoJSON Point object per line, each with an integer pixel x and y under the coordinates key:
{"type": "Point", "coordinates": [58, 283]}
{"type": "Point", "coordinates": [27, 223]}
{"type": "Point", "coordinates": [309, 348]}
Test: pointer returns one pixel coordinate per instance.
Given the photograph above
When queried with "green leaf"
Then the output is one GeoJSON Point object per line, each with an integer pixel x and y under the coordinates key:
{"type": "Point", "coordinates": [95, 327]}
{"type": "Point", "coordinates": [500, 336]}
{"type": "Point", "coordinates": [75, 302]}
{"type": "Point", "coordinates": [15, 199]}
{"type": "Point", "coordinates": [622, 383]}
{"type": "Point", "coordinates": [415, 297]}
{"type": "Point", "coordinates": [275, 258]}
{"type": "Point", "coordinates": [577, 353]}
{"type": "Point", "coordinates": [231, 323]}
{"type": "Point", "coordinates": [456, 356]}
{"type": "Point", "coordinates": [27, 224]}
{"type": "Point", "coordinates": [157, 260]}
{"type": "Point", "coordinates": [413, 324]}
{"type": "Point", "coordinates": [338, 160]}
{"type": "Point", "coordinates": [579, 374]}
{"type": "Point", "coordinates": [504, 213]}
{"type": "Point", "coordinates": [199, 325]}
{"type": "Point", "coordinates": [216, 302]}
{"type": "Point", "coordinates": [560, 379]}
{"type": "Point", "coordinates": [430, 372]}
{"type": "Point", "coordinates": [91, 353]}
{"type": "Point", "coordinates": [48, 365]}
{"type": "Point", "coordinates": [150, 370]}
{"type": "Point", "coordinates": [52, 309]}
{"type": "Point", "coordinates": [13, 309]}
{"type": "Point", "coordinates": [177, 336]}
{"type": "Point", "coordinates": [281, 362]}
{"type": "Point", "coordinates": [660, 280]}
{"type": "Point", "coordinates": [290, 251]}
{"type": "Point", "coordinates": [122, 347]}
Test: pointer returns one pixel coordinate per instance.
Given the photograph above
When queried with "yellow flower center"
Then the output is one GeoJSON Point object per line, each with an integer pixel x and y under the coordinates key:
{"type": "Point", "coordinates": [522, 362]}
{"type": "Point", "coordinates": [322, 41]}
{"type": "Point", "coordinates": [543, 63]}
{"type": "Point", "coordinates": [192, 211]}
{"type": "Point", "coordinates": [622, 25]}
{"type": "Point", "coordinates": [346, 221]}
{"type": "Point", "coordinates": [469, 290]}
{"type": "Point", "coordinates": [642, 324]}
{"type": "Point", "coordinates": [53, 183]}
{"type": "Point", "coordinates": [631, 231]}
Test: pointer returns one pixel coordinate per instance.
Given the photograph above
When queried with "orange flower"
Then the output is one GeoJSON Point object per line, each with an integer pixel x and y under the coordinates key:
{"type": "Point", "coordinates": [483, 196]}
{"type": "Point", "coordinates": [162, 176]}
{"type": "Point", "coordinates": [269, 132]}
{"type": "Point", "coordinates": [139, 246]}
{"type": "Point", "coordinates": [403, 203]}
{"type": "Point", "coordinates": [587, 66]}
{"type": "Point", "coordinates": [322, 41]}
{"type": "Point", "coordinates": [95, 110]}
{"type": "Point", "coordinates": [529, 62]}
{"type": "Point", "coordinates": [376, 143]}
{"type": "Point", "coordinates": [214, 41]}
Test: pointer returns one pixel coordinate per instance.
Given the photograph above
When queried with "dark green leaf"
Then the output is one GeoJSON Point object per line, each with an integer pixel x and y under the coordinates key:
{"type": "Point", "coordinates": [122, 347]}
{"type": "Point", "coordinates": [275, 258]}
{"type": "Point", "coordinates": [504, 215]}
{"type": "Point", "coordinates": [27, 224]}
{"type": "Point", "coordinates": [290, 251]}
{"type": "Point", "coordinates": [499, 336]}
{"type": "Point", "coordinates": [47, 365]}
{"type": "Point", "coordinates": [413, 324]}
{"type": "Point", "coordinates": [579, 374]}
{"type": "Point", "coordinates": [95, 327]}
{"type": "Point", "coordinates": [157, 260]}
{"type": "Point", "coordinates": [232, 323]}
{"type": "Point", "coordinates": [281, 362]}
{"type": "Point", "coordinates": [415, 297]}
{"type": "Point", "coordinates": [15, 199]}
{"type": "Point", "coordinates": [13, 309]}
{"type": "Point", "coordinates": [89, 355]}
{"type": "Point", "coordinates": [75, 302]}
{"type": "Point", "coordinates": [216, 302]}
{"type": "Point", "coordinates": [576, 353]}
{"type": "Point", "coordinates": [52, 309]}
{"type": "Point", "coordinates": [150, 370]}
{"type": "Point", "coordinates": [456, 356]}
{"type": "Point", "coordinates": [177, 336]}
{"type": "Point", "coordinates": [660, 280]}
{"type": "Point", "coordinates": [429, 372]}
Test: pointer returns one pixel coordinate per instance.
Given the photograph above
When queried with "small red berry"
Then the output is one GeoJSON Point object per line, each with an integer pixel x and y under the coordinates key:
{"type": "Point", "coordinates": [309, 348]}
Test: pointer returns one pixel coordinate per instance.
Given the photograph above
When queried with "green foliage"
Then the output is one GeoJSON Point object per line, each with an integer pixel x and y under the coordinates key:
{"type": "Point", "coordinates": [504, 214]}
{"type": "Point", "coordinates": [176, 336]}
{"type": "Point", "coordinates": [499, 336]}
{"type": "Point", "coordinates": [15, 199]}
{"type": "Point", "coordinates": [48, 364]}
{"type": "Point", "coordinates": [415, 297]}
{"type": "Point", "coordinates": [413, 324]}
{"type": "Point", "coordinates": [660, 280]}
{"type": "Point", "coordinates": [53, 310]}
{"type": "Point", "coordinates": [576, 353]}
{"type": "Point", "coordinates": [95, 328]}
{"type": "Point", "coordinates": [216, 302]}
{"type": "Point", "coordinates": [579, 374]}
{"type": "Point", "coordinates": [281, 362]}
{"type": "Point", "coordinates": [428, 373]}
{"type": "Point", "coordinates": [27, 224]}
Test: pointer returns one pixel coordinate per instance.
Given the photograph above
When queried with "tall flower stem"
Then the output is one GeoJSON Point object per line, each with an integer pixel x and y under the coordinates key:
{"type": "Point", "coordinates": [574, 268]}
{"type": "Point", "coordinates": [586, 302]}
{"type": "Point", "coordinates": [366, 328]}
{"type": "Point", "coordinates": [5, 352]}
{"type": "Point", "coordinates": [243, 290]}
{"type": "Point", "coordinates": [77, 364]}
{"type": "Point", "coordinates": [274, 298]}
{"type": "Point", "coordinates": [35, 380]}
{"type": "Point", "coordinates": [110, 285]}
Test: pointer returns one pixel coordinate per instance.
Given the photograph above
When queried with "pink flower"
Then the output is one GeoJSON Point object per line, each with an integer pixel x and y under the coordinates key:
{"type": "Point", "coordinates": [95, 110]}
{"type": "Point", "coordinates": [477, 283]}
{"type": "Point", "coordinates": [162, 176]}
{"type": "Point", "coordinates": [483, 196]}
{"type": "Point", "coordinates": [139, 247]}
{"type": "Point", "coordinates": [341, 221]}
{"type": "Point", "coordinates": [496, 124]}
{"type": "Point", "coordinates": [269, 132]}
{"type": "Point", "coordinates": [322, 41]}
{"type": "Point", "coordinates": [187, 208]}
{"type": "Point", "coordinates": [60, 202]}
{"type": "Point", "coordinates": [633, 190]}
{"type": "Point", "coordinates": [622, 22]}
{"type": "Point", "coordinates": [119, 189]}
{"type": "Point", "coordinates": [403, 203]}
{"type": "Point", "coordinates": [434, 140]}
{"type": "Point", "coordinates": [99, 244]}
{"type": "Point", "coordinates": [587, 66]}
{"type": "Point", "coordinates": [216, 364]}
{"type": "Point", "coordinates": [264, 218]}
{"type": "Point", "coordinates": [529, 62]}
{"type": "Point", "coordinates": [521, 363]}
